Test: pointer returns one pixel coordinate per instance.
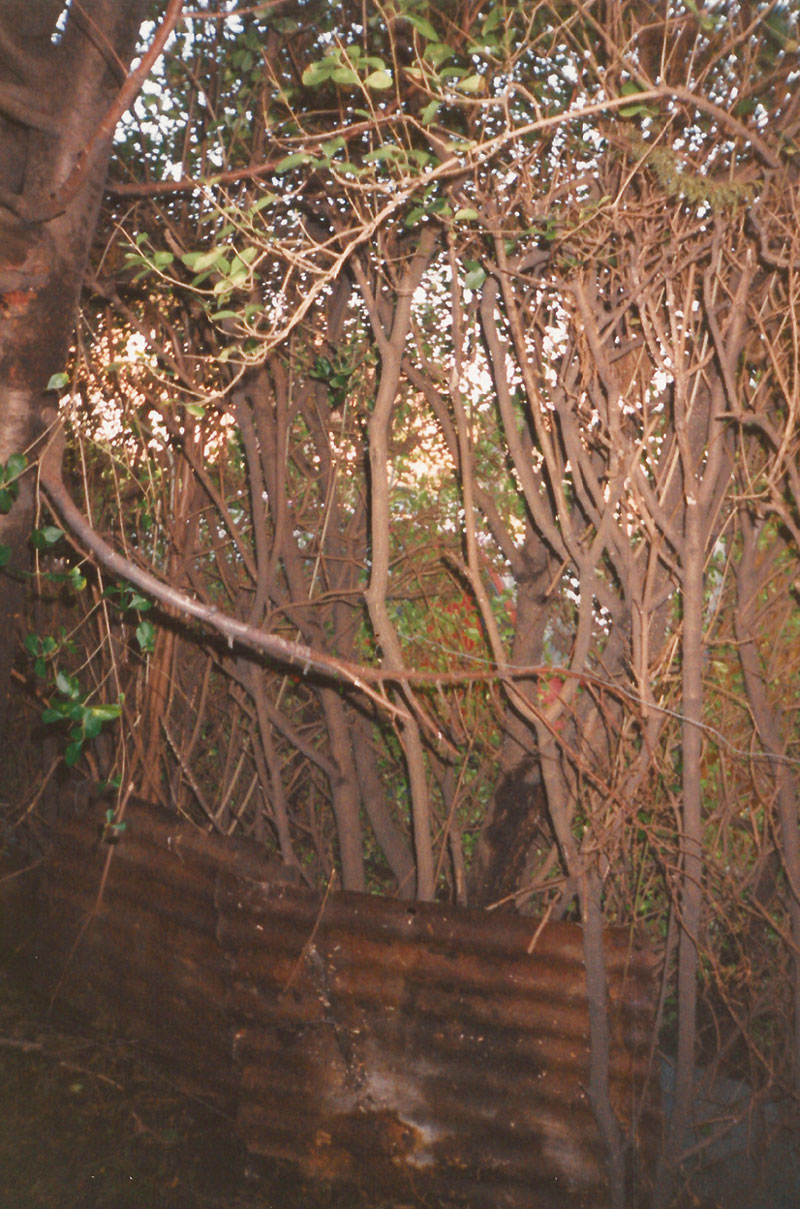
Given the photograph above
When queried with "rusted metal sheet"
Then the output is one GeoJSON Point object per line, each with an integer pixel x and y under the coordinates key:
{"type": "Point", "coordinates": [129, 930]}
{"type": "Point", "coordinates": [421, 1049]}
{"type": "Point", "coordinates": [417, 1050]}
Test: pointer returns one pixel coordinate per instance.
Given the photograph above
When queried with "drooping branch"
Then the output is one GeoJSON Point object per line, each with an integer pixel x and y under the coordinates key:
{"type": "Point", "coordinates": [237, 633]}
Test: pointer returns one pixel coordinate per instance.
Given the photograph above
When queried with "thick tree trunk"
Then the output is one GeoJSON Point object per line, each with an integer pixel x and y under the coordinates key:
{"type": "Point", "coordinates": [55, 90]}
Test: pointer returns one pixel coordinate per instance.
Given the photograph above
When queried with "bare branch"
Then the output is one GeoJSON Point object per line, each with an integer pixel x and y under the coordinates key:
{"type": "Point", "coordinates": [283, 651]}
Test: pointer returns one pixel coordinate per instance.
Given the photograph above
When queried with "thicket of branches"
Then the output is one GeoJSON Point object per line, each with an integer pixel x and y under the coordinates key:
{"type": "Point", "coordinates": [459, 344]}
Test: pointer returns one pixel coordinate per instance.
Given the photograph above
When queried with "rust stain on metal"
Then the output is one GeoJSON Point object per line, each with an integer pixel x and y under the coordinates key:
{"type": "Point", "coordinates": [417, 1050]}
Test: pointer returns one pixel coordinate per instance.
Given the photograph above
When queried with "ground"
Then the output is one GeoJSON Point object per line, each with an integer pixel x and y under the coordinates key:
{"type": "Point", "coordinates": [86, 1123]}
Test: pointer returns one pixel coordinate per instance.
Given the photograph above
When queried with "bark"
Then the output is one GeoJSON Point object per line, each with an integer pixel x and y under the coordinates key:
{"type": "Point", "coordinates": [45, 232]}
{"type": "Point", "coordinates": [391, 352]}
{"type": "Point", "coordinates": [518, 810]}
{"type": "Point", "coordinates": [387, 834]}
{"type": "Point", "coordinates": [262, 427]}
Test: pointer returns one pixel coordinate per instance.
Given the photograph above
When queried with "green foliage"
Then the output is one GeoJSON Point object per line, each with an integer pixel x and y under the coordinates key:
{"type": "Point", "coordinates": [129, 600]}
{"type": "Point", "coordinates": [42, 650]}
{"type": "Point", "coordinates": [69, 705]}
{"type": "Point", "coordinates": [46, 537]}
{"type": "Point", "coordinates": [335, 376]}
{"type": "Point", "coordinates": [9, 481]}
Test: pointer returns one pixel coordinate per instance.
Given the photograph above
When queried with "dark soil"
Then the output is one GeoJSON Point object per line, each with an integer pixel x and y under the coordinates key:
{"type": "Point", "coordinates": [86, 1123]}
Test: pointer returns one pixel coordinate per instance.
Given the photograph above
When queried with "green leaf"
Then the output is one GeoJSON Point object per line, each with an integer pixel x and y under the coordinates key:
{"type": "Point", "coordinates": [198, 262]}
{"type": "Point", "coordinates": [145, 636]}
{"type": "Point", "coordinates": [73, 753]}
{"type": "Point", "coordinates": [437, 52]}
{"type": "Point", "coordinates": [92, 725]}
{"type": "Point", "coordinates": [422, 27]}
{"type": "Point", "coordinates": [378, 80]}
{"type": "Point", "coordinates": [57, 382]}
{"type": "Point", "coordinates": [197, 409]}
{"type": "Point", "coordinates": [5, 555]}
{"type": "Point", "coordinates": [15, 466]}
{"type": "Point", "coordinates": [466, 214]}
{"type": "Point", "coordinates": [493, 20]}
{"type": "Point", "coordinates": [471, 84]}
{"type": "Point", "coordinates": [333, 145]}
{"type": "Point", "coordinates": [321, 370]}
{"type": "Point", "coordinates": [635, 111]}
{"type": "Point", "coordinates": [162, 259]}
{"type": "Point", "coordinates": [318, 73]}
{"type": "Point", "coordinates": [6, 500]}
{"type": "Point", "coordinates": [345, 75]}
{"type": "Point", "coordinates": [389, 151]}
{"type": "Point", "coordinates": [67, 685]}
{"type": "Point", "coordinates": [429, 113]}
{"type": "Point", "coordinates": [475, 277]}
{"type": "Point", "coordinates": [140, 603]}
{"type": "Point", "coordinates": [48, 536]}
{"type": "Point", "coordinates": [292, 161]}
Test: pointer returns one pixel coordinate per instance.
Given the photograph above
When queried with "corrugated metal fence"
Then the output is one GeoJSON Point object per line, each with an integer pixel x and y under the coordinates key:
{"type": "Point", "coordinates": [417, 1050]}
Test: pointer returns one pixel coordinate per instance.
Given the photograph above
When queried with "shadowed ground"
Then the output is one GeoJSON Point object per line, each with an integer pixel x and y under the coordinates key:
{"type": "Point", "coordinates": [85, 1124]}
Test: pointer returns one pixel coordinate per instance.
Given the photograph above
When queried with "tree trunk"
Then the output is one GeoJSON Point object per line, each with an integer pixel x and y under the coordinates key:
{"type": "Point", "coordinates": [55, 91]}
{"type": "Point", "coordinates": [517, 814]}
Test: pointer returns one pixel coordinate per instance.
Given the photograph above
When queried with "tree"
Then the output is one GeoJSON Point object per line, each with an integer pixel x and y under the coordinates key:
{"type": "Point", "coordinates": [455, 367]}
{"type": "Point", "coordinates": [63, 88]}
